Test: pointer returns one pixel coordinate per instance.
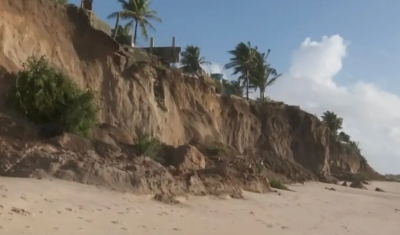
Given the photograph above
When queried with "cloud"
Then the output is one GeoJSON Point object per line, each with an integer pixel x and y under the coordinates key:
{"type": "Point", "coordinates": [371, 115]}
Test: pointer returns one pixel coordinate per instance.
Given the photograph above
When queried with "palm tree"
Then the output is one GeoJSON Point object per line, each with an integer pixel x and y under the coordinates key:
{"type": "Point", "coordinates": [191, 60]}
{"type": "Point", "coordinates": [243, 57]}
{"type": "Point", "coordinates": [260, 74]}
{"type": "Point", "coordinates": [344, 137]}
{"type": "Point", "coordinates": [235, 88]}
{"type": "Point", "coordinates": [138, 12]}
{"type": "Point", "coordinates": [123, 30]}
{"type": "Point", "coordinates": [333, 122]}
{"type": "Point", "coordinates": [354, 145]}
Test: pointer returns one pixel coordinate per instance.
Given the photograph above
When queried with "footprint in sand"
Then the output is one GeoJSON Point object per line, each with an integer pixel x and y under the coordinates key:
{"type": "Point", "coordinates": [20, 211]}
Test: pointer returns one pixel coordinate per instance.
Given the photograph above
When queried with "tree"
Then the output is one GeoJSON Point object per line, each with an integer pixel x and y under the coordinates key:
{"type": "Point", "coordinates": [122, 30]}
{"type": "Point", "coordinates": [243, 57]}
{"type": "Point", "coordinates": [191, 60]}
{"type": "Point", "coordinates": [354, 145]}
{"type": "Point", "coordinates": [344, 137]}
{"type": "Point", "coordinates": [333, 122]}
{"type": "Point", "coordinates": [260, 74]}
{"type": "Point", "coordinates": [138, 12]}
{"type": "Point", "coordinates": [233, 87]}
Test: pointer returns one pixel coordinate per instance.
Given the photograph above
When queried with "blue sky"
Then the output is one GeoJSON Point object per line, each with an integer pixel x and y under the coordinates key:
{"type": "Point", "coordinates": [353, 71]}
{"type": "Point", "coordinates": [217, 26]}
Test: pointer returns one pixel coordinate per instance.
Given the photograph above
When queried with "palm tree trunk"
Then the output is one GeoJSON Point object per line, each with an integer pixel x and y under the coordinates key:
{"type": "Point", "coordinates": [262, 90]}
{"type": "Point", "coordinates": [116, 26]}
{"type": "Point", "coordinates": [261, 96]}
{"type": "Point", "coordinates": [247, 84]}
{"type": "Point", "coordinates": [135, 35]}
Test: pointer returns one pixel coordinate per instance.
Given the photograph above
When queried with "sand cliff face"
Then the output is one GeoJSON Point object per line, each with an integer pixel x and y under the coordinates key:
{"type": "Point", "coordinates": [177, 109]}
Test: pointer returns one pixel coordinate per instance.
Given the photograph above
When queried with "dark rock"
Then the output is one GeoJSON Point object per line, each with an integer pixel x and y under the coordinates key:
{"type": "Point", "coordinates": [330, 189]}
{"type": "Point", "coordinates": [50, 130]}
{"type": "Point", "coordinates": [344, 184]}
{"type": "Point", "coordinates": [379, 190]}
{"type": "Point", "coordinates": [357, 184]}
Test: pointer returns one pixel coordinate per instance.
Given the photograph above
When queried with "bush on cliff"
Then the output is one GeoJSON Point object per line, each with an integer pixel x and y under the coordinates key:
{"type": "Point", "coordinates": [44, 94]}
{"type": "Point", "coordinates": [147, 145]}
{"type": "Point", "coordinates": [274, 183]}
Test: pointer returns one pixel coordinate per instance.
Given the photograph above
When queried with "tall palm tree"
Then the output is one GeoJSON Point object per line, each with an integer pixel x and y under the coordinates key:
{"type": "Point", "coordinates": [260, 74]}
{"type": "Point", "coordinates": [138, 12]}
{"type": "Point", "coordinates": [333, 122]}
{"type": "Point", "coordinates": [243, 57]}
{"type": "Point", "coordinates": [192, 60]}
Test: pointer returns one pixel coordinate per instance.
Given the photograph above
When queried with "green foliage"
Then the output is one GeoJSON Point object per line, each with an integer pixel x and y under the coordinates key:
{"type": "Point", "coordinates": [147, 145]}
{"type": "Point", "coordinates": [44, 94]}
{"type": "Point", "coordinates": [344, 137]}
{"type": "Point", "coordinates": [262, 74]}
{"type": "Point", "coordinates": [191, 60]}
{"type": "Point", "coordinates": [232, 88]}
{"type": "Point", "coordinates": [333, 122]}
{"type": "Point", "coordinates": [123, 30]}
{"type": "Point", "coordinates": [139, 14]}
{"type": "Point", "coordinates": [216, 150]}
{"type": "Point", "coordinates": [274, 183]}
{"type": "Point", "coordinates": [252, 67]}
{"type": "Point", "coordinates": [354, 146]}
{"type": "Point", "coordinates": [242, 60]}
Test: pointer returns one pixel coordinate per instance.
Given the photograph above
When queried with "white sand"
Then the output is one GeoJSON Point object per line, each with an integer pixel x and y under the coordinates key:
{"type": "Point", "coordinates": [59, 207]}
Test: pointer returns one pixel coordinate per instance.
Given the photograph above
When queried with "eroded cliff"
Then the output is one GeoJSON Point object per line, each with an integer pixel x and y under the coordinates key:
{"type": "Point", "coordinates": [175, 108]}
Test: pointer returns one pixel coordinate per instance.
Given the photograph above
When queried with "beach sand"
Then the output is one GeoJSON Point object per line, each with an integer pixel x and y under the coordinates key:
{"type": "Point", "coordinates": [47, 207]}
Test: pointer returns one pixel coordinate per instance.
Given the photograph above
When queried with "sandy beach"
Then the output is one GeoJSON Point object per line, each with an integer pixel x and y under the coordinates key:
{"type": "Point", "coordinates": [31, 206]}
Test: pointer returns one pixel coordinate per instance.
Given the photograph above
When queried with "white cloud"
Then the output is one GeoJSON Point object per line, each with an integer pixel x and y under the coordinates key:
{"type": "Point", "coordinates": [371, 115]}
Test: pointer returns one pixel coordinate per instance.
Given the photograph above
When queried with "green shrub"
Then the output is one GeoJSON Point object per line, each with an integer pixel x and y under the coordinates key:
{"type": "Point", "coordinates": [215, 150]}
{"type": "Point", "coordinates": [44, 94]}
{"type": "Point", "coordinates": [147, 146]}
{"type": "Point", "coordinates": [274, 183]}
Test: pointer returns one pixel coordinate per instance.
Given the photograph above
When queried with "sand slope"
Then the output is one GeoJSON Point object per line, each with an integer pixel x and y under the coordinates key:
{"type": "Point", "coordinates": [45, 207]}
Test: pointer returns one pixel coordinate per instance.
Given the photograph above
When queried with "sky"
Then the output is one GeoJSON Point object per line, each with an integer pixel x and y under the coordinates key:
{"type": "Point", "coordinates": [340, 56]}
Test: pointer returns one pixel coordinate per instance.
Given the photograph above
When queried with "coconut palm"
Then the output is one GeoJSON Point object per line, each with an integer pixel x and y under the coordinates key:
{"type": "Point", "coordinates": [333, 122]}
{"type": "Point", "coordinates": [237, 88]}
{"type": "Point", "coordinates": [344, 137]}
{"type": "Point", "coordinates": [243, 57]}
{"type": "Point", "coordinates": [354, 145]}
{"type": "Point", "coordinates": [139, 13]}
{"type": "Point", "coordinates": [191, 60]}
{"type": "Point", "coordinates": [262, 74]}
{"type": "Point", "coordinates": [123, 30]}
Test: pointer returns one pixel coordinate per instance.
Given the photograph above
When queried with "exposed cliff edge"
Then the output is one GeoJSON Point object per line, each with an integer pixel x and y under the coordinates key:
{"type": "Point", "coordinates": [177, 109]}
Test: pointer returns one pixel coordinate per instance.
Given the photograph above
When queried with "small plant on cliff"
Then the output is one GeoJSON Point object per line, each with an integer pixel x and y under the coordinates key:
{"type": "Point", "coordinates": [147, 145]}
{"type": "Point", "coordinates": [274, 183]}
{"type": "Point", "coordinates": [44, 94]}
{"type": "Point", "coordinates": [216, 150]}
